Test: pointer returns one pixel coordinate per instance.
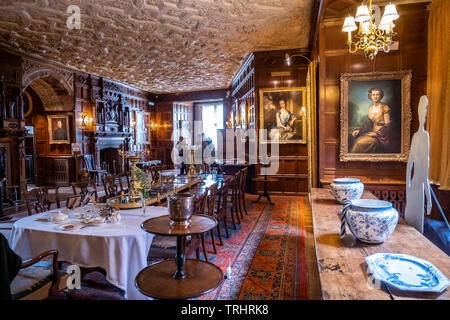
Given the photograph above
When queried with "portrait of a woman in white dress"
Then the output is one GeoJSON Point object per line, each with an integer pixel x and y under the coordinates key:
{"type": "Point", "coordinates": [284, 129]}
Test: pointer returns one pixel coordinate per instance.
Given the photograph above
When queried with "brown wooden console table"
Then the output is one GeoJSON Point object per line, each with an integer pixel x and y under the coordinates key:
{"type": "Point", "coordinates": [343, 270]}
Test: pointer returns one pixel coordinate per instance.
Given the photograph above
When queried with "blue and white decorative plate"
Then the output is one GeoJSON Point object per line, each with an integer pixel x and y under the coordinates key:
{"type": "Point", "coordinates": [407, 272]}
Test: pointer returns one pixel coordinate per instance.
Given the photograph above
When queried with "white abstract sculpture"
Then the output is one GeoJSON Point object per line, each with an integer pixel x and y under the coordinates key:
{"type": "Point", "coordinates": [419, 161]}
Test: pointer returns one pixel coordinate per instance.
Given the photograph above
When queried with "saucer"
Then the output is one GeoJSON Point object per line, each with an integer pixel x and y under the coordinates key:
{"type": "Point", "coordinates": [68, 226]}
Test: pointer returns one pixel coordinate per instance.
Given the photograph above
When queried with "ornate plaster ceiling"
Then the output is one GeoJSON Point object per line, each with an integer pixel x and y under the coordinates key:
{"type": "Point", "coordinates": [159, 46]}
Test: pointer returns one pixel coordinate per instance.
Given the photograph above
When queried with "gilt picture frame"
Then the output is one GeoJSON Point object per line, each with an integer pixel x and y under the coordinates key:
{"type": "Point", "coordinates": [375, 116]}
{"type": "Point", "coordinates": [58, 129]}
{"type": "Point", "coordinates": [142, 127]}
{"type": "Point", "coordinates": [282, 113]}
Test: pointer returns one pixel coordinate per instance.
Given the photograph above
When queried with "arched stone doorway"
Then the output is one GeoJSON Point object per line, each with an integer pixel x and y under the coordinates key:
{"type": "Point", "coordinates": [48, 106]}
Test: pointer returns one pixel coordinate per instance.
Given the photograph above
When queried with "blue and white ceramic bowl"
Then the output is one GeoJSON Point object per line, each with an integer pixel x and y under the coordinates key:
{"type": "Point", "coordinates": [346, 189]}
{"type": "Point", "coordinates": [371, 221]}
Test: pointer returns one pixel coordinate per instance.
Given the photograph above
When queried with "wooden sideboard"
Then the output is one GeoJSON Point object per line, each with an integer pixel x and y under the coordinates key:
{"type": "Point", "coordinates": [59, 170]}
{"type": "Point", "coordinates": [343, 271]}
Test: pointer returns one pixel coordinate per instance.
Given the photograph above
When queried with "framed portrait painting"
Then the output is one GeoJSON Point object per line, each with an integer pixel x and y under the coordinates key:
{"type": "Point", "coordinates": [375, 116]}
{"type": "Point", "coordinates": [58, 129]}
{"type": "Point", "coordinates": [142, 127]}
{"type": "Point", "coordinates": [282, 114]}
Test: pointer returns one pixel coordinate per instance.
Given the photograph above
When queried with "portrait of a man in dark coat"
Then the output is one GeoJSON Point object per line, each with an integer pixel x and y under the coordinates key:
{"type": "Point", "coordinates": [58, 130]}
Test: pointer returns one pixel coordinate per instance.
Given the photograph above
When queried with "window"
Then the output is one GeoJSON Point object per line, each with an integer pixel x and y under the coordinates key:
{"type": "Point", "coordinates": [212, 115]}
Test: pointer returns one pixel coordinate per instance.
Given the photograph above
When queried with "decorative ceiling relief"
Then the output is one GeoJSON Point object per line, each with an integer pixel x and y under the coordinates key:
{"type": "Point", "coordinates": [159, 46]}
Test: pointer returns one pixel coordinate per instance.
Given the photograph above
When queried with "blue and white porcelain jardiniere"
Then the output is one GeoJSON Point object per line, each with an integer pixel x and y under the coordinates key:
{"type": "Point", "coordinates": [346, 189]}
{"type": "Point", "coordinates": [370, 220]}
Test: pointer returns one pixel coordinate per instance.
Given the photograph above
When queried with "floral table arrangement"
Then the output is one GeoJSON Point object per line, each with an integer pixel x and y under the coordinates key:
{"type": "Point", "coordinates": [142, 185]}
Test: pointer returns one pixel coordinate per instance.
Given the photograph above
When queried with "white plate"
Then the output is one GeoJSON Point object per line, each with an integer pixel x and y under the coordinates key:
{"type": "Point", "coordinates": [407, 272]}
{"type": "Point", "coordinates": [93, 224]}
{"type": "Point", "coordinates": [69, 226]}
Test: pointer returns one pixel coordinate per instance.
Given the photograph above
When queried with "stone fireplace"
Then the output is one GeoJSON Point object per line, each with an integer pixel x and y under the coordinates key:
{"type": "Point", "coordinates": [106, 154]}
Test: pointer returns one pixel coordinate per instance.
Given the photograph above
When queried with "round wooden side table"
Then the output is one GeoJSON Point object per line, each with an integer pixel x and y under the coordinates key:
{"type": "Point", "coordinates": [265, 192]}
{"type": "Point", "coordinates": [179, 278]}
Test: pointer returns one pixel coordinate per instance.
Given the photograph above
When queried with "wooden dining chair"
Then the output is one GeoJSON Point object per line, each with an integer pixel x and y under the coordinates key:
{"type": "Point", "coordinates": [82, 187]}
{"type": "Point", "coordinates": [89, 163]}
{"type": "Point", "coordinates": [37, 199]}
{"type": "Point", "coordinates": [37, 278]}
{"type": "Point", "coordinates": [243, 184]}
{"type": "Point", "coordinates": [211, 206]}
{"type": "Point", "coordinates": [221, 209]}
{"type": "Point", "coordinates": [200, 204]}
{"type": "Point", "coordinates": [112, 185]}
{"type": "Point", "coordinates": [234, 198]}
{"type": "Point", "coordinates": [155, 172]}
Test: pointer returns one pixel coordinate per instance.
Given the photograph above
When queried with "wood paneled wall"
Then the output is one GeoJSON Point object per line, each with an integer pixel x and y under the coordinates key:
{"type": "Point", "coordinates": [256, 74]}
{"type": "Point", "coordinates": [335, 59]}
{"type": "Point", "coordinates": [12, 133]}
{"type": "Point", "coordinates": [162, 139]}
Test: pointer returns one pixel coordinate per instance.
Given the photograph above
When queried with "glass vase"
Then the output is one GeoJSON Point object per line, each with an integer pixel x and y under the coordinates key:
{"type": "Point", "coordinates": [144, 197]}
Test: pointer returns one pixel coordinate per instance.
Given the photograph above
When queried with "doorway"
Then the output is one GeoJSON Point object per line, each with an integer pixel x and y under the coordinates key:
{"type": "Point", "coordinates": [29, 155]}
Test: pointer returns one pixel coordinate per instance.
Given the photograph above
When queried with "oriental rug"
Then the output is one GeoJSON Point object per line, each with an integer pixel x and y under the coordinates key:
{"type": "Point", "coordinates": [269, 263]}
{"type": "Point", "coordinates": [266, 254]}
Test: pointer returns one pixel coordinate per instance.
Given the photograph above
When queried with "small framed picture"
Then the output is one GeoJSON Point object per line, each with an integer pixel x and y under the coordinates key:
{"type": "Point", "coordinates": [58, 129]}
{"type": "Point", "coordinates": [143, 127]}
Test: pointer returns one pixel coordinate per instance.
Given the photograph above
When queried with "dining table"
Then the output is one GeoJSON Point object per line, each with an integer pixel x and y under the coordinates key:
{"type": "Point", "coordinates": [120, 249]}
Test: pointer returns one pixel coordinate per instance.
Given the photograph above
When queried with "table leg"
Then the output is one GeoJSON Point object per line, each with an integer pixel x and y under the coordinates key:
{"type": "Point", "coordinates": [268, 199]}
{"type": "Point", "coordinates": [259, 197]}
{"type": "Point", "coordinates": [180, 259]}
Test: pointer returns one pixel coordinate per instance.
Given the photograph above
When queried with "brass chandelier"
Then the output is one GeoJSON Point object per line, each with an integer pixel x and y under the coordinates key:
{"type": "Point", "coordinates": [373, 34]}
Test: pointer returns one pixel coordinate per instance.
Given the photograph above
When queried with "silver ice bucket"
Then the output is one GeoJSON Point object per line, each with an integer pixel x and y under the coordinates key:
{"type": "Point", "coordinates": [181, 208]}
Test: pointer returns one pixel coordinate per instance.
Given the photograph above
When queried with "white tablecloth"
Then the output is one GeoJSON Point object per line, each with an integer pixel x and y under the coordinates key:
{"type": "Point", "coordinates": [121, 249]}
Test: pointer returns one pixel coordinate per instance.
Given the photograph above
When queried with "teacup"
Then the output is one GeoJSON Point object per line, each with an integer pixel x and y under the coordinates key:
{"type": "Point", "coordinates": [78, 215]}
{"type": "Point", "coordinates": [99, 220]}
{"type": "Point", "coordinates": [59, 217]}
{"type": "Point", "coordinates": [115, 218]}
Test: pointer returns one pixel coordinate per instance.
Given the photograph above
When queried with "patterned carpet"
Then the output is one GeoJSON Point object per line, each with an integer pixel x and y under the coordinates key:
{"type": "Point", "coordinates": [266, 253]}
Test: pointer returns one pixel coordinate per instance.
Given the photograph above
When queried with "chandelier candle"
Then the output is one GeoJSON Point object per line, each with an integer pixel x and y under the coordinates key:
{"type": "Point", "coordinates": [374, 34]}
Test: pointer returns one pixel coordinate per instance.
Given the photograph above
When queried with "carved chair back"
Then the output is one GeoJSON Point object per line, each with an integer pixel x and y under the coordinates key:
{"type": "Point", "coordinates": [89, 162]}
{"type": "Point", "coordinates": [200, 202]}
{"type": "Point", "coordinates": [221, 209]}
{"type": "Point", "coordinates": [212, 196]}
{"type": "Point", "coordinates": [155, 172]}
{"type": "Point", "coordinates": [84, 186]}
{"type": "Point", "coordinates": [243, 180]}
{"type": "Point", "coordinates": [37, 199]}
{"type": "Point", "coordinates": [112, 185]}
